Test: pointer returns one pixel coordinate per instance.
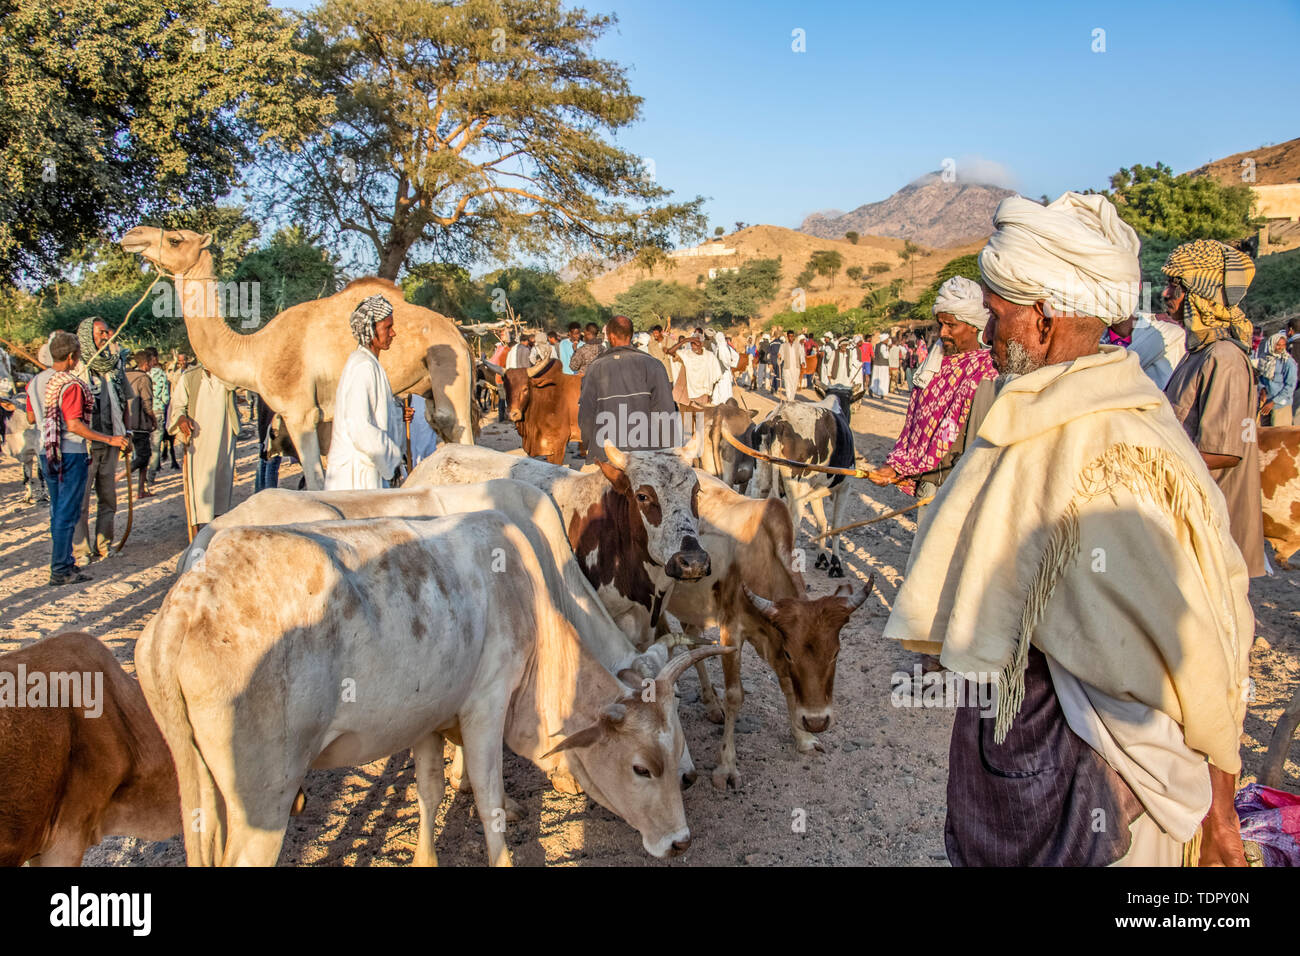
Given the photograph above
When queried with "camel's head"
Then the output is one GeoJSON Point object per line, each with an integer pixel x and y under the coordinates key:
{"type": "Point", "coordinates": [172, 251]}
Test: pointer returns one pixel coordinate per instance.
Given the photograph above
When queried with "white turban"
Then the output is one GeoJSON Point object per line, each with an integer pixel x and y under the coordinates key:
{"type": "Point", "coordinates": [1076, 254]}
{"type": "Point", "coordinates": [963, 298]}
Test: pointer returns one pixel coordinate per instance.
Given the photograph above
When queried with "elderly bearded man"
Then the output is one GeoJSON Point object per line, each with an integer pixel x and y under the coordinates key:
{"type": "Point", "coordinates": [954, 391]}
{"type": "Point", "coordinates": [1079, 559]}
{"type": "Point", "coordinates": [366, 444]}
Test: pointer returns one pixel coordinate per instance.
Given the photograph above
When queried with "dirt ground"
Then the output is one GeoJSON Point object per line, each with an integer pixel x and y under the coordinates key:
{"type": "Point", "coordinates": [876, 796]}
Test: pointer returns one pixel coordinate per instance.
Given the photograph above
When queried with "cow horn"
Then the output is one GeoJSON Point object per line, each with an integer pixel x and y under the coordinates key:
{"type": "Point", "coordinates": [678, 666]}
{"type": "Point", "coordinates": [856, 599]}
{"type": "Point", "coordinates": [761, 604]}
{"type": "Point", "coordinates": [615, 456]}
{"type": "Point", "coordinates": [543, 359]}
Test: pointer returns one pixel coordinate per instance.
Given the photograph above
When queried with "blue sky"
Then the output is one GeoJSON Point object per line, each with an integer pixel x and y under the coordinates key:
{"type": "Point", "coordinates": [886, 91]}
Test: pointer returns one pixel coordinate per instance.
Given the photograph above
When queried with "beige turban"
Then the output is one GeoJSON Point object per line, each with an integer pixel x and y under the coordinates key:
{"type": "Point", "coordinates": [963, 298]}
{"type": "Point", "coordinates": [1076, 254]}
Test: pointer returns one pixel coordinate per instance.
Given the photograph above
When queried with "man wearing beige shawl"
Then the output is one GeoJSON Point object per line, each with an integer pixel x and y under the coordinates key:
{"type": "Point", "coordinates": [1079, 559]}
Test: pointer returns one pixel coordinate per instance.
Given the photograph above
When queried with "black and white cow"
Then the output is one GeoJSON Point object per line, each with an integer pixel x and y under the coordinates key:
{"type": "Point", "coordinates": [817, 433]}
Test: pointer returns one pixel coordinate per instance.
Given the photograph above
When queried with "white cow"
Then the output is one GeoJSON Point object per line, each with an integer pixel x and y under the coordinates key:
{"type": "Point", "coordinates": [531, 510]}
{"type": "Point", "coordinates": [336, 643]}
{"type": "Point", "coordinates": [22, 441]}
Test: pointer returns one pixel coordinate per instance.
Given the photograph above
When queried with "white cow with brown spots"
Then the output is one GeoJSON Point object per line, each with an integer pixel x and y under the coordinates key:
{"type": "Point", "coordinates": [336, 643]}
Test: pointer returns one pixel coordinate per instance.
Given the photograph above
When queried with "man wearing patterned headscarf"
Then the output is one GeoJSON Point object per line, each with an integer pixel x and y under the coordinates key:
{"type": "Point", "coordinates": [1213, 388]}
{"type": "Point", "coordinates": [366, 445]}
{"type": "Point", "coordinates": [1076, 567]}
{"type": "Point", "coordinates": [954, 390]}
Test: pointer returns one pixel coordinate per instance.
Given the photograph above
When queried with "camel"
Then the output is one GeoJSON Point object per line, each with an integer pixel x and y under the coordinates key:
{"type": "Point", "coordinates": [294, 361]}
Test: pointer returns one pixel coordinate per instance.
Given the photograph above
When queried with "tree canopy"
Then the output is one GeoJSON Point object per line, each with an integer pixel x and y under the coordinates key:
{"type": "Point", "coordinates": [741, 294]}
{"type": "Point", "coordinates": [654, 301]}
{"type": "Point", "coordinates": [469, 130]}
{"type": "Point", "coordinates": [1159, 204]}
{"type": "Point", "coordinates": [112, 112]}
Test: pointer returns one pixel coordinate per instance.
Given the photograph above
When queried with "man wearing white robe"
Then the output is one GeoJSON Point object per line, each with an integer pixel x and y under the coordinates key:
{"type": "Point", "coordinates": [203, 417]}
{"type": "Point", "coordinates": [1078, 562]}
{"type": "Point", "coordinates": [792, 356]}
{"type": "Point", "coordinates": [727, 361]}
{"type": "Point", "coordinates": [842, 365]}
{"type": "Point", "coordinates": [369, 424]}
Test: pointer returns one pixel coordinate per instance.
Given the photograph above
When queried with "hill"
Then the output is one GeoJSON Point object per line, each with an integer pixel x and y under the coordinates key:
{"type": "Point", "coordinates": [794, 249]}
{"type": "Point", "coordinates": [928, 211]}
{"type": "Point", "coordinates": [1274, 165]}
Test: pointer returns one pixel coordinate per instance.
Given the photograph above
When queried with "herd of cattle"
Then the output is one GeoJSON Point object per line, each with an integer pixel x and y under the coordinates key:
{"type": "Point", "coordinates": [492, 600]}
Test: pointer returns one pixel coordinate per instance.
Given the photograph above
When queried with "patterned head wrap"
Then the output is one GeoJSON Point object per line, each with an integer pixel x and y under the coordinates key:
{"type": "Point", "coordinates": [368, 314]}
{"type": "Point", "coordinates": [1215, 278]}
{"type": "Point", "coordinates": [104, 367]}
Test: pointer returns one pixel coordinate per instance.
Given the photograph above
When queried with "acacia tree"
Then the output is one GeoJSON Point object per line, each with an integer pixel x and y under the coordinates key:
{"type": "Point", "coordinates": [111, 112]}
{"type": "Point", "coordinates": [472, 129]}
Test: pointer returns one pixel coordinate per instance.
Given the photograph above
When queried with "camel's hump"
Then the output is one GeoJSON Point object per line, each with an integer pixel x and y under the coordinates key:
{"type": "Point", "coordinates": [372, 280]}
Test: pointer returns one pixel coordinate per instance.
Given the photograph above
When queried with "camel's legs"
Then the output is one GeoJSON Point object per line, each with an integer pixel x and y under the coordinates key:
{"type": "Point", "coordinates": [304, 439]}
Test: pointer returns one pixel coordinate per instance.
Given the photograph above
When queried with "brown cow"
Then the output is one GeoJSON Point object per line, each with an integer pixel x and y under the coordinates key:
{"type": "Point", "coordinates": [81, 757]}
{"type": "Point", "coordinates": [720, 458]}
{"type": "Point", "coordinates": [1279, 465]}
{"type": "Point", "coordinates": [754, 593]}
{"type": "Point", "coordinates": [543, 403]}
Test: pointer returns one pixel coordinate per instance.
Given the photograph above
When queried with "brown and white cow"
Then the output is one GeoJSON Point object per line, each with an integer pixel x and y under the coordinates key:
{"type": "Point", "coordinates": [755, 594]}
{"type": "Point", "coordinates": [334, 643]}
{"type": "Point", "coordinates": [542, 401]}
{"type": "Point", "coordinates": [1279, 463]}
{"type": "Point", "coordinates": [633, 524]}
{"type": "Point", "coordinates": [84, 761]}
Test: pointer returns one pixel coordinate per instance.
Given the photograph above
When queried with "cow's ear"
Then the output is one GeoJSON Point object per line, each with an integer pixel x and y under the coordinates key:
{"type": "Point", "coordinates": [616, 476]}
{"type": "Point", "coordinates": [753, 413]}
{"type": "Point", "coordinates": [583, 738]}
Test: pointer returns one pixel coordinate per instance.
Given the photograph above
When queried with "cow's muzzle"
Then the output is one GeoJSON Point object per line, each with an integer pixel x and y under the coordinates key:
{"type": "Point", "coordinates": [816, 723]}
{"type": "Point", "coordinates": [689, 564]}
{"type": "Point", "coordinates": [515, 415]}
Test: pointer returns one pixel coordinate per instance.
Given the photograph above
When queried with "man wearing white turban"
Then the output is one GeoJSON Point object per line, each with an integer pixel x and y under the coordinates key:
{"type": "Point", "coordinates": [369, 424]}
{"type": "Point", "coordinates": [954, 390]}
{"type": "Point", "coordinates": [1077, 569]}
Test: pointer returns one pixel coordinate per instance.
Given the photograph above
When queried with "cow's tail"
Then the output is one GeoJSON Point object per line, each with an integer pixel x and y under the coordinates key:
{"type": "Point", "coordinates": [203, 811]}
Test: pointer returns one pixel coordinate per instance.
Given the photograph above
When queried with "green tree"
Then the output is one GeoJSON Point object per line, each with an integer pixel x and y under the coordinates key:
{"type": "Point", "coordinates": [852, 237]}
{"type": "Point", "coordinates": [1159, 204]}
{"type": "Point", "coordinates": [115, 112]}
{"type": "Point", "coordinates": [854, 273]}
{"type": "Point", "coordinates": [291, 268]}
{"type": "Point", "coordinates": [742, 294]}
{"type": "Point", "coordinates": [654, 301]}
{"type": "Point", "coordinates": [908, 254]}
{"type": "Point", "coordinates": [878, 268]}
{"type": "Point", "coordinates": [826, 263]}
{"type": "Point", "coordinates": [719, 231]}
{"type": "Point", "coordinates": [468, 130]}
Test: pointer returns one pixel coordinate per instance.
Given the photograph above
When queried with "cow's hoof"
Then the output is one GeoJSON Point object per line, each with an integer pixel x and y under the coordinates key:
{"type": "Point", "coordinates": [836, 570]}
{"type": "Point", "coordinates": [715, 715]}
{"type": "Point", "coordinates": [724, 778]}
{"type": "Point", "coordinates": [821, 562]}
{"type": "Point", "coordinates": [809, 744]}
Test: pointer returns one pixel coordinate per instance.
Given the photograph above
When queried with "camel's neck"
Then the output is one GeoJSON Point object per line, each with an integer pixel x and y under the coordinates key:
{"type": "Point", "coordinates": [223, 351]}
